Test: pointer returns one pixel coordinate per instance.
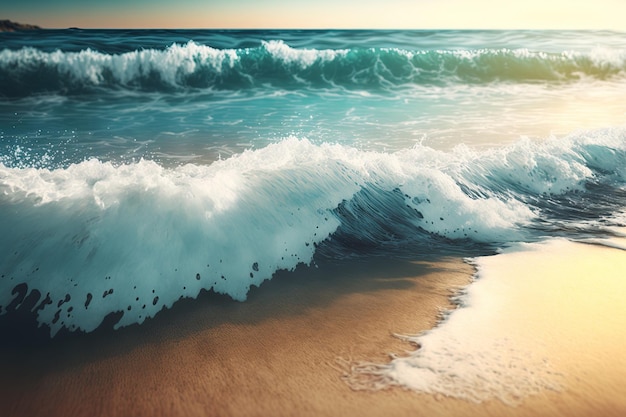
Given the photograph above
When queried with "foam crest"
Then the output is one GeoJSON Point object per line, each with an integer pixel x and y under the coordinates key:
{"type": "Point", "coordinates": [76, 70]}
{"type": "Point", "coordinates": [136, 238]}
{"type": "Point", "coordinates": [548, 167]}
{"type": "Point", "coordinates": [302, 57]}
{"type": "Point", "coordinates": [193, 66]}
{"type": "Point", "coordinates": [95, 238]}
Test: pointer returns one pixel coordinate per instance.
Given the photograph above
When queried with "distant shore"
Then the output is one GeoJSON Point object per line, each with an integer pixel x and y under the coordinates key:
{"type": "Point", "coordinates": [10, 26]}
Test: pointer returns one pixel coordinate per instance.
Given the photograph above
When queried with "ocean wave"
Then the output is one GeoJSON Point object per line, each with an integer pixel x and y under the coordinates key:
{"type": "Point", "coordinates": [97, 238]}
{"type": "Point", "coordinates": [192, 66]}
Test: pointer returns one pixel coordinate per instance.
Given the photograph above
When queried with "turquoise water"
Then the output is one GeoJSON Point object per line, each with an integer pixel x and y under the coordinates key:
{"type": "Point", "coordinates": [138, 167]}
{"type": "Point", "coordinates": [177, 96]}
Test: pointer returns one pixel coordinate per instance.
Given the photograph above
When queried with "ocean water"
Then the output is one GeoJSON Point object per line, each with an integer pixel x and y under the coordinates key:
{"type": "Point", "coordinates": [139, 167]}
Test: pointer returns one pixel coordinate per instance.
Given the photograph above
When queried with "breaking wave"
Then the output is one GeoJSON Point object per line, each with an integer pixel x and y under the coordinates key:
{"type": "Point", "coordinates": [274, 64]}
{"type": "Point", "coordinates": [232, 224]}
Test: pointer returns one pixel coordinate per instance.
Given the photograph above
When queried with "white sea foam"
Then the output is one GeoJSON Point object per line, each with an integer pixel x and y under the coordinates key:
{"type": "Point", "coordinates": [94, 67]}
{"type": "Point", "coordinates": [275, 63]}
{"type": "Point", "coordinates": [302, 57]}
{"type": "Point", "coordinates": [144, 231]}
{"type": "Point", "coordinates": [97, 238]}
{"type": "Point", "coordinates": [542, 316]}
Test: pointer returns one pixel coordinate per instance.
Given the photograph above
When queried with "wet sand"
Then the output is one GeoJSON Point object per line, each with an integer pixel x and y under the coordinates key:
{"type": "Point", "coordinates": [281, 353]}
{"type": "Point", "coordinates": [566, 304]}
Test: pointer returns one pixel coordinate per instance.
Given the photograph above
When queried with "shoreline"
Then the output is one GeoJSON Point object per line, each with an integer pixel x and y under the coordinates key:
{"type": "Point", "coordinates": [287, 350]}
{"type": "Point", "coordinates": [278, 353]}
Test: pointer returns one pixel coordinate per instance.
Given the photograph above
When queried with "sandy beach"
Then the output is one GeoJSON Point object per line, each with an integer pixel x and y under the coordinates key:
{"type": "Point", "coordinates": [281, 352]}
{"type": "Point", "coordinates": [284, 352]}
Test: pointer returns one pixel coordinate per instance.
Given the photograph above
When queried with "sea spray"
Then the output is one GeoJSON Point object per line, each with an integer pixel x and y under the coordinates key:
{"type": "Point", "coordinates": [97, 238]}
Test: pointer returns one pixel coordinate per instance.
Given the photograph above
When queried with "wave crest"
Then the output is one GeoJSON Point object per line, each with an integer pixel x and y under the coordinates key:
{"type": "Point", "coordinates": [234, 223]}
{"type": "Point", "coordinates": [193, 66]}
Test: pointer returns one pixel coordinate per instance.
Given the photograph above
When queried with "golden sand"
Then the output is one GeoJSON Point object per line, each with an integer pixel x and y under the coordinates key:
{"type": "Point", "coordinates": [280, 353]}
{"type": "Point", "coordinates": [283, 352]}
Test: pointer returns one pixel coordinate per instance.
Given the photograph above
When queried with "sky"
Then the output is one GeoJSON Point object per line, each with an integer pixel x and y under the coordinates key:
{"type": "Point", "coordinates": [311, 14]}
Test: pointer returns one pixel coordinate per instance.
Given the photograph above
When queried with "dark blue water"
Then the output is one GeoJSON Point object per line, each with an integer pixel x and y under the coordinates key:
{"type": "Point", "coordinates": [138, 167]}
